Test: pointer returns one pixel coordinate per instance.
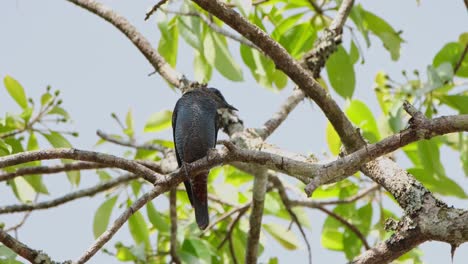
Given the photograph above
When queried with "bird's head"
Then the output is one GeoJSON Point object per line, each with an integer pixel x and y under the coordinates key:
{"type": "Point", "coordinates": [219, 98]}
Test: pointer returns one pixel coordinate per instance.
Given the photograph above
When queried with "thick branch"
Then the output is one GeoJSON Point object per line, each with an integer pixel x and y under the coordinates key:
{"type": "Point", "coordinates": [120, 22]}
{"type": "Point", "coordinates": [75, 154]}
{"type": "Point", "coordinates": [68, 197]}
{"type": "Point", "coordinates": [288, 65]}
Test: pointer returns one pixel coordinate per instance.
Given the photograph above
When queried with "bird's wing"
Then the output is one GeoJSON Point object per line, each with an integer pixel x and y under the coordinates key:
{"type": "Point", "coordinates": [174, 122]}
{"type": "Point", "coordinates": [188, 186]}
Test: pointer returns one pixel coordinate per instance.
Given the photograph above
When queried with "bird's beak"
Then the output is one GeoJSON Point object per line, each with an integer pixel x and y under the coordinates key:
{"type": "Point", "coordinates": [230, 107]}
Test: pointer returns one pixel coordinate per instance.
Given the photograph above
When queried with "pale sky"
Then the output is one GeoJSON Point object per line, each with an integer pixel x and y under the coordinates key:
{"type": "Point", "coordinates": [99, 71]}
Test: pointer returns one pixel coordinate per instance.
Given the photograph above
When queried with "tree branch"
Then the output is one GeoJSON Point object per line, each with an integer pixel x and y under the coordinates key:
{"type": "Point", "coordinates": [110, 232]}
{"type": "Point", "coordinates": [68, 197]}
{"type": "Point", "coordinates": [32, 255]}
{"type": "Point", "coordinates": [121, 23]}
{"type": "Point", "coordinates": [226, 215]}
{"type": "Point", "coordinates": [289, 66]}
{"type": "Point", "coordinates": [75, 154]}
{"type": "Point", "coordinates": [52, 169]}
{"type": "Point", "coordinates": [155, 8]}
{"type": "Point", "coordinates": [287, 203]}
{"type": "Point", "coordinates": [173, 217]}
{"type": "Point", "coordinates": [255, 220]}
{"type": "Point", "coordinates": [273, 123]}
{"type": "Point", "coordinates": [128, 143]}
{"type": "Point", "coordinates": [215, 28]}
{"type": "Point", "coordinates": [352, 199]}
{"type": "Point", "coordinates": [462, 57]}
{"type": "Point", "coordinates": [345, 222]}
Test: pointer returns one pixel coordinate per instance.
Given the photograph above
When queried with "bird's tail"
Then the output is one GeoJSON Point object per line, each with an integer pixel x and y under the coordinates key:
{"type": "Point", "coordinates": [199, 199]}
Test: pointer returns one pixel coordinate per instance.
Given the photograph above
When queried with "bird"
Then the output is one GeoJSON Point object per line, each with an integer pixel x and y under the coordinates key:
{"type": "Point", "coordinates": [195, 131]}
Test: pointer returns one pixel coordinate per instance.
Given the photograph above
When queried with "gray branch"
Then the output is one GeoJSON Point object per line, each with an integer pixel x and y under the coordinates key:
{"type": "Point", "coordinates": [68, 197]}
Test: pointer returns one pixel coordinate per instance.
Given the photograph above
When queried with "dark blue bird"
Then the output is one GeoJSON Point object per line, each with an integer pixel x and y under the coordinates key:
{"type": "Point", "coordinates": [195, 130]}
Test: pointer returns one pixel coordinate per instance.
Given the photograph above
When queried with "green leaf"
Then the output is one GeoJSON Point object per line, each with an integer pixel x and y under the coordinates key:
{"type": "Point", "coordinates": [157, 219]}
{"type": "Point", "coordinates": [58, 141]}
{"type": "Point", "coordinates": [441, 185]}
{"type": "Point", "coordinates": [190, 28]}
{"type": "Point", "coordinates": [124, 253]}
{"type": "Point", "coordinates": [298, 39]}
{"type": "Point", "coordinates": [389, 37]}
{"type": "Point", "coordinates": [223, 61]}
{"type": "Point", "coordinates": [159, 121]}
{"type": "Point", "coordinates": [7, 253]}
{"type": "Point", "coordinates": [333, 140]}
{"type": "Point", "coordinates": [23, 190]}
{"type": "Point", "coordinates": [282, 235]}
{"type": "Point", "coordinates": [202, 68]}
{"type": "Point", "coordinates": [102, 216]}
{"type": "Point", "coordinates": [16, 91]}
{"type": "Point", "coordinates": [168, 43]}
{"type": "Point", "coordinates": [57, 110]}
{"type": "Point", "coordinates": [353, 244]}
{"type": "Point", "coordinates": [236, 177]}
{"type": "Point", "coordinates": [353, 53]}
{"type": "Point", "coordinates": [285, 25]}
{"type": "Point", "coordinates": [458, 102]}
{"type": "Point", "coordinates": [139, 230]}
{"type": "Point", "coordinates": [452, 53]}
{"type": "Point", "coordinates": [272, 203]}
{"type": "Point", "coordinates": [129, 131]}
{"type": "Point", "coordinates": [430, 157]}
{"type": "Point", "coordinates": [5, 147]}
{"type": "Point", "coordinates": [35, 180]}
{"type": "Point", "coordinates": [364, 218]}
{"type": "Point", "coordinates": [340, 72]}
{"type": "Point", "coordinates": [332, 239]}
{"type": "Point", "coordinates": [362, 116]}
{"type": "Point", "coordinates": [46, 99]}
{"type": "Point", "coordinates": [357, 15]}
{"type": "Point", "coordinates": [199, 248]}
{"type": "Point", "coordinates": [103, 175]}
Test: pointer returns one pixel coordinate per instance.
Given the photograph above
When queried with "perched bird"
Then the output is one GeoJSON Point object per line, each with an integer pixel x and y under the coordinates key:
{"type": "Point", "coordinates": [195, 130]}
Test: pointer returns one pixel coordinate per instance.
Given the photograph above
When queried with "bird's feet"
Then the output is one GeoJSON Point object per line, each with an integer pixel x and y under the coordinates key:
{"type": "Point", "coordinates": [186, 167]}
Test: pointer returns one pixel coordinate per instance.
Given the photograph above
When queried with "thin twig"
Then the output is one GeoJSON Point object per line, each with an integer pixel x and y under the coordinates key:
{"type": "Point", "coordinates": [121, 23]}
{"type": "Point", "coordinates": [225, 216]}
{"type": "Point", "coordinates": [51, 169]}
{"type": "Point", "coordinates": [68, 197]}
{"type": "Point", "coordinates": [273, 123]}
{"type": "Point", "coordinates": [155, 8]}
{"type": "Point", "coordinates": [462, 57]}
{"type": "Point", "coordinates": [255, 3]}
{"type": "Point", "coordinates": [216, 28]}
{"type": "Point", "coordinates": [232, 225]}
{"type": "Point", "coordinates": [345, 222]}
{"type": "Point", "coordinates": [315, 204]}
{"type": "Point", "coordinates": [286, 202]}
{"type": "Point", "coordinates": [110, 232]}
{"type": "Point", "coordinates": [129, 143]}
